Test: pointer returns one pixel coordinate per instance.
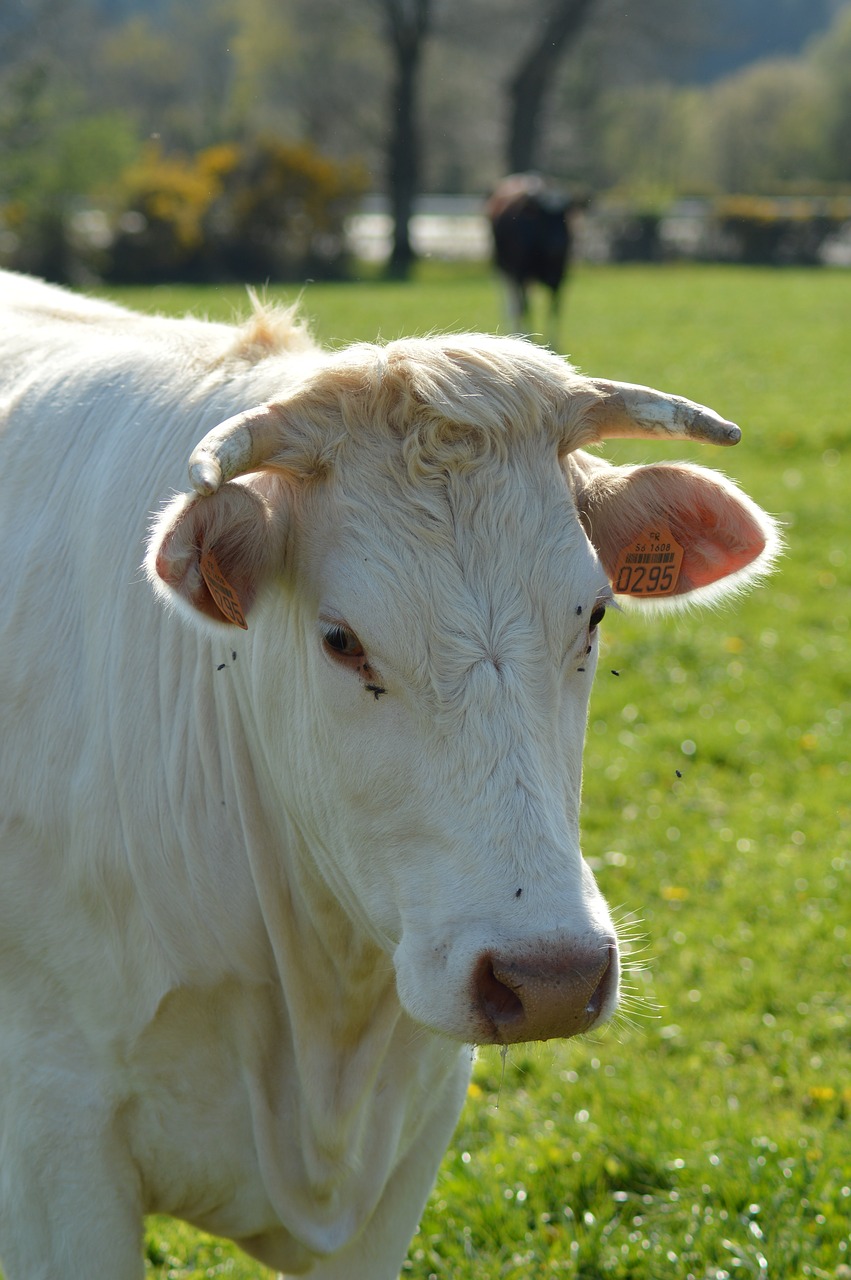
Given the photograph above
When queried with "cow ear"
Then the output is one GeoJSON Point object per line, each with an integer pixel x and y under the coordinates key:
{"type": "Point", "coordinates": [210, 556]}
{"type": "Point", "coordinates": [671, 533]}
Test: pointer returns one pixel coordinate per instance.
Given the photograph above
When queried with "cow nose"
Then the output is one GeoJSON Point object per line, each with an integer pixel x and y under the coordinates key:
{"type": "Point", "coordinates": [540, 998]}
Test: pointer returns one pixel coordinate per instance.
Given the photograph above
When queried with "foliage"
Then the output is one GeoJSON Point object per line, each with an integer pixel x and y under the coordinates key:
{"type": "Point", "coordinates": [767, 126]}
{"type": "Point", "coordinates": [706, 1134]}
{"type": "Point", "coordinates": [648, 138]}
{"type": "Point", "coordinates": [83, 84]}
{"type": "Point", "coordinates": [830, 57]}
{"type": "Point", "coordinates": [281, 212]}
{"type": "Point", "coordinates": [54, 153]}
{"type": "Point", "coordinates": [270, 210]}
{"type": "Point", "coordinates": [778, 232]}
{"type": "Point", "coordinates": [161, 230]}
{"type": "Point", "coordinates": [773, 125]}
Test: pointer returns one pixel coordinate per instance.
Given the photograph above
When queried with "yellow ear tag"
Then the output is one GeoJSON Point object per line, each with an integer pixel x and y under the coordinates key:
{"type": "Point", "coordinates": [650, 565]}
{"type": "Point", "coordinates": [227, 601]}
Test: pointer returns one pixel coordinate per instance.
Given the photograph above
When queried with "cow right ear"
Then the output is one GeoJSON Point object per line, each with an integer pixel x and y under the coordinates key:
{"type": "Point", "coordinates": [672, 534]}
{"type": "Point", "coordinates": [210, 556]}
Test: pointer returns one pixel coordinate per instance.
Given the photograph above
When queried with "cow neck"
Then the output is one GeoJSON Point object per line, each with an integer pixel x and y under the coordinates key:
{"type": "Point", "coordinates": [330, 1076]}
{"type": "Point", "coordinates": [336, 1072]}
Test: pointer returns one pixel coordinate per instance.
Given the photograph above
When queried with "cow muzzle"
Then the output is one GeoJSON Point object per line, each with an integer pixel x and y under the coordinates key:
{"type": "Point", "coordinates": [543, 996]}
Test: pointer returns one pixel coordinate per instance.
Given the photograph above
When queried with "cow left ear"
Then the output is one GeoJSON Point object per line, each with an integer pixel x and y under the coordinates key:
{"type": "Point", "coordinates": [671, 534]}
{"type": "Point", "coordinates": [210, 556]}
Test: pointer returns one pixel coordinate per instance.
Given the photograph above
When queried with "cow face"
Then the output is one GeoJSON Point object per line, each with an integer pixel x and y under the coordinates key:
{"type": "Point", "coordinates": [452, 643]}
{"type": "Point", "coordinates": [428, 605]}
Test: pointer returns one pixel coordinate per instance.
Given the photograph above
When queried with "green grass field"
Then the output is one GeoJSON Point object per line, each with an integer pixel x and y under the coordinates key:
{"type": "Point", "coordinates": [705, 1133]}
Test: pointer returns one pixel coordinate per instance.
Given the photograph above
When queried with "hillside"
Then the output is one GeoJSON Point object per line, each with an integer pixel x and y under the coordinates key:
{"type": "Point", "coordinates": [737, 32]}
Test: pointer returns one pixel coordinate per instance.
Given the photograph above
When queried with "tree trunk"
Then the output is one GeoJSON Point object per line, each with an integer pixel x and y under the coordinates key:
{"type": "Point", "coordinates": [533, 79]}
{"type": "Point", "coordinates": [407, 25]}
{"type": "Point", "coordinates": [403, 161]}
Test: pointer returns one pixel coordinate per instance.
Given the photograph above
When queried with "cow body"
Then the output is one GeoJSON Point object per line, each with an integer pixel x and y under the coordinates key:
{"type": "Point", "coordinates": [532, 229]}
{"type": "Point", "coordinates": [260, 889]}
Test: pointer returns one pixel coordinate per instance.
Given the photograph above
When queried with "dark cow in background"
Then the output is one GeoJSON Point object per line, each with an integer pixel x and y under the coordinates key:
{"type": "Point", "coordinates": [532, 229]}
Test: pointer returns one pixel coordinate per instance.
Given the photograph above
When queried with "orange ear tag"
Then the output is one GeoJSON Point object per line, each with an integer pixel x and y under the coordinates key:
{"type": "Point", "coordinates": [221, 590]}
{"type": "Point", "coordinates": [650, 565]}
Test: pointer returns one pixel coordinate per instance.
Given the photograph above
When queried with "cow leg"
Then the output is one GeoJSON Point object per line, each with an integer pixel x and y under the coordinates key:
{"type": "Point", "coordinates": [70, 1201]}
{"type": "Point", "coordinates": [523, 307]}
{"type": "Point", "coordinates": [516, 305]}
{"type": "Point", "coordinates": [555, 314]}
{"type": "Point", "coordinates": [379, 1251]}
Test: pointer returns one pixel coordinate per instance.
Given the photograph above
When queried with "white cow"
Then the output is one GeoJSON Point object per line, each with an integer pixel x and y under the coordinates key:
{"type": "Point", "coordinates": [261, 888]}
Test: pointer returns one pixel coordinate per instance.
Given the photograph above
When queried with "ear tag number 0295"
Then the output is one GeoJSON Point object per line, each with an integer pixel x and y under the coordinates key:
{"type": "Point", "coordinates": [649, 565]}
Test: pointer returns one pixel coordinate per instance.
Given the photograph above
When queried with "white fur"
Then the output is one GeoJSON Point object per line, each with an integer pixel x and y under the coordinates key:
{"type": "Point", "coordinates": [242, 894]}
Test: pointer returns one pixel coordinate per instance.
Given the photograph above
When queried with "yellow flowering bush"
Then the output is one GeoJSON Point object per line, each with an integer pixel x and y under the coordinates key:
{"type": "Point", "coordinates": [268, 210]}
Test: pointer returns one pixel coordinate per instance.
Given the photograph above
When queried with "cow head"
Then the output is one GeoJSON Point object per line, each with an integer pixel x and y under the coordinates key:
{"type": "Point", "coordinates": [423, 554]}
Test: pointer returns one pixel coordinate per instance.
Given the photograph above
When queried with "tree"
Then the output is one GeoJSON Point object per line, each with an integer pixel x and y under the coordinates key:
{"type": "Point", "coordinates": [55, 153]}
{"type": "Point", "coordinates": [830, 58]}
{"type": "Point", "coordinates": [650, 142]}
{"type": "Point", "coordinates": [407, 26]}
{"type": "Point", "coordinates": [533, 78]}
{"type": "Point", "coordinates": [766, 127]}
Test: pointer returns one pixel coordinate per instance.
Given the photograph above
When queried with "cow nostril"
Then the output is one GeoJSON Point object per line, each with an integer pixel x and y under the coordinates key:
{"type": "Point", "coordinates": [601, 992]}
{"type": "Point", "coordinates": [497, 1001]}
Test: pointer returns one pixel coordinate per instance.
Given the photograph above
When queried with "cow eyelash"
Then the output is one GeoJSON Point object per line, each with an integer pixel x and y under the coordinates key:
{"type": "Point", "coordinates": [342, 643]}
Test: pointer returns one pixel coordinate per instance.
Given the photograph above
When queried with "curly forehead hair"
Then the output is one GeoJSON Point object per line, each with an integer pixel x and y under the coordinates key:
{"type": "Point", "coordinates": [450, 403]}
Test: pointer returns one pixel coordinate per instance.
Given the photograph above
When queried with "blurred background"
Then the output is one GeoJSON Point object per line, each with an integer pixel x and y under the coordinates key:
{"type": "Point", "coordinates": [154, 140]}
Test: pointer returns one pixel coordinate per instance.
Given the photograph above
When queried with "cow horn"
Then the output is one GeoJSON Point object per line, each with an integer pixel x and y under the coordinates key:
{"type": "Point", "coordinates": [624, 409]}
{"type": "Point", "coordinates": [246, 441]}
{"type": "Point", "coordinates": [242, 443]}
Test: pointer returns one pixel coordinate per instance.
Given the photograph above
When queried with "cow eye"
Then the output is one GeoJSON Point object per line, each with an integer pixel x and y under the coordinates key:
{"type": "Point", "coordinates": [597, 616]}
{"type": "Point", "coordinates": [341, 642]}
